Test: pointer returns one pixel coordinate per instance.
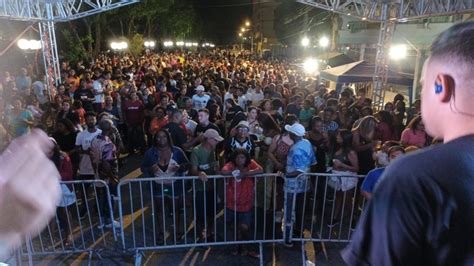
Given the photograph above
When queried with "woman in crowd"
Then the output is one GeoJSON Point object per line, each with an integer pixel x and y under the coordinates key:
{"type": "Point", "coordinates": [65, 136]}
{"type": "Point", "coordinates": [345, 162]}
{"type": "Point", "coordinates": [162, 161]}
{"type": "Point", "coordinates": [414, 134]}
{"type": "Point", "coordinates": [63, 163]}
{"type": "Point", "coordinates": [363, 143]}
{"type": "Point", "coordinates": [385, 129]}
{"type": "Point", "coordinates": [19, 119]}
{"type": "Point", "coordinates": [320, 141]}
{"type": "Point", "coordinates": [254, 126]}
{"type": "Point", "coordinates": [240, 196]}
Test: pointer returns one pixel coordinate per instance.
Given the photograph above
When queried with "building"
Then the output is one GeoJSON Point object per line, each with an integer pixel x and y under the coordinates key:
{"type": "Point", "coordinates": [263, 28]}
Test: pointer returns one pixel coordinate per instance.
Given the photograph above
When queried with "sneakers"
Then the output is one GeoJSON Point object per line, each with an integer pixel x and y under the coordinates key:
{"type": "Point", "coordinates": [108, 225]}
{"type": "Point", "coordinates": [333, 223]}
{"type": "Point", "coordinates": [279, 217]}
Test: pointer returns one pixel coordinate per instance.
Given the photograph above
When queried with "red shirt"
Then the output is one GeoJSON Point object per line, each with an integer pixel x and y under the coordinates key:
{"type": "Point", "coordinates": [240, 195]}
{"type": "Point", "coordinates": [134, 112]}
{"type": "Point", "coordinates": [65, 167]}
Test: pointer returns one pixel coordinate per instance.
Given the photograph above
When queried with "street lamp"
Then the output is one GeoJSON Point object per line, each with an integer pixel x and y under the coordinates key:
{"type": "Point", "coordinates": [180, 43]}
{"type": "Point", "coordinates": [24, 44]}
{"type": "Point", "coordinates": [242, 29]}
{"type": "Point", "coordinates": [149, 44]}
{"type": "Point", "coordinates": [168, 44]}
{"type": "Point", "coordinates": [247, 23]}
{"type": "Point", "coordinates": [305, 41]}
{"type": "Point", "coordinates": [398, 51]}
{"type": "Point", "coordinates": [310, 66]}
{"type": "Point", "coordinates": [119, 46]}
{"type": "Point", "coordinates": [324, 42]}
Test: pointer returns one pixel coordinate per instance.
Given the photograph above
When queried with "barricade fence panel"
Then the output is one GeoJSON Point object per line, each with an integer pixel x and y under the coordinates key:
{"type": "Point", "coordinates": [327, 209]}
{"type": "Point", "coordinates": [185, 211]}
{"type": "Point", "coordinates": [179, 212]}
{"type": "Point", "coordinates": [83, 222]}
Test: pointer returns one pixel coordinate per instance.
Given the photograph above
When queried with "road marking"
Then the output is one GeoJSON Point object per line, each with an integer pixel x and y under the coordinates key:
{"type": "Point", "coordinates": [127, 221]}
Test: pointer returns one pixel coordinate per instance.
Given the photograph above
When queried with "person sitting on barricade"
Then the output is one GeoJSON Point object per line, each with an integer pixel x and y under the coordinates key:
{"type": "Point", "coordinates": [165, 160]}
{"type": "Point", "coordinates": [240, 194]}
{"type": "Point", "coordinates": [203, 163]}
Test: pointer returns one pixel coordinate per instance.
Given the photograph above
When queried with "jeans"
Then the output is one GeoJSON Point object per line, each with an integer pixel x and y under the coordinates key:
{"type": "Point", "coordinates": [136, 137]}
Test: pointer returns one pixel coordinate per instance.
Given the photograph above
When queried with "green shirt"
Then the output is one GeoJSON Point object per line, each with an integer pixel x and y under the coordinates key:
{"type": "Point", "coordinates": [306, 114]}
{"type": "Point", "coordinates": [206, 162]}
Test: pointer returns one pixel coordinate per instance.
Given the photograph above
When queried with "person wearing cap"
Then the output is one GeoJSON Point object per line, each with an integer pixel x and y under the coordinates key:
{"type": "Point", "coordinates": [203, 163]}
{"type": "Point", "coordinates": [241, 140]}
{"type": "Point", "coordinates": [200, 99]}
{"type": "Point", "coordinates": [300, 158]}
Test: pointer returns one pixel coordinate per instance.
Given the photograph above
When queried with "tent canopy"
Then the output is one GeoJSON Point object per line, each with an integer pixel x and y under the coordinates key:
{"type": "Point", "coordinates": [335, 59]}
{"type": "Point", "coordinates": [362, 71]}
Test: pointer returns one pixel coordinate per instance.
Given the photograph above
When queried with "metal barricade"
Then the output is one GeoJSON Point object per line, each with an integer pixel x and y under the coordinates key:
{"type": "Point", "coordinates": [185, 212]}
{"type": "Point", "coordinates": [83, 222]}
{"type": "Point", "coordinates": [327, 209]}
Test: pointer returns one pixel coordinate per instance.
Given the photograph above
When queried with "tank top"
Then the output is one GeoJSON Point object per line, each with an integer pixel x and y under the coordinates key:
{"type": "Point", "coordinates": [282, 150]}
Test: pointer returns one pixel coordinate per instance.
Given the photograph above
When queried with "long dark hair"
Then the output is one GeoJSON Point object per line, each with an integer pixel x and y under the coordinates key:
{"type": "Point", "coordinates": [236, 153]}
{"type": "Point", "coordinates": [414, 123]}
{"type": "Point", "coordinates": [386, 117]}
{"type": "Point", "coordinates": [56, 158]}
{"type": "Point", "coordinates": [346, 144]}
{"type": "Point", "coordinates": [168, 137]}
{"type": "Point", "coordinates": [68, 124]}
{"type": "Point", "coordinates": [267, 122]}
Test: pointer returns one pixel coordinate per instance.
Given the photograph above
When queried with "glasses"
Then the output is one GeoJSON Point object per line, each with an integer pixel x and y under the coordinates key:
{"type": "Point", "coordinates": [243, 129]}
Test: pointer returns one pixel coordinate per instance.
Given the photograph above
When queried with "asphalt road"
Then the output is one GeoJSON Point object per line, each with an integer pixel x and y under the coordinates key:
{"type": "Point", "coordinates": [274, 254]}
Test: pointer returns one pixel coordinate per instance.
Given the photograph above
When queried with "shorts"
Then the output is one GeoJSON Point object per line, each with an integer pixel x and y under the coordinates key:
{"type": "Point", "coordinates": [242, 217]}
{"type": "Point", "coordinates": [172, 191]}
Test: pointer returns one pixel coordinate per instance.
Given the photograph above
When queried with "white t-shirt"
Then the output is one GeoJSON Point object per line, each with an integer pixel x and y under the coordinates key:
{"type": "Point", "coordinates": [84, 139]}
{"type": "Point", "coordinates": [191, 126]}
{"type": "Point", "coordinates": [99, 98]}
{"type": "Point", "coordinates": [255, 97]}
{"type": "Point", "coordinates": [200, 102]}
{"type": "Point", "coordinates": [242, 101]}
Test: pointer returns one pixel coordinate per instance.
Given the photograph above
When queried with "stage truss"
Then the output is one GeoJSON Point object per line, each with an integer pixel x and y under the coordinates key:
{"type": "Point", "coordinates": [49, 12]}
{"type": "Point", "coordinates": [388, 13]}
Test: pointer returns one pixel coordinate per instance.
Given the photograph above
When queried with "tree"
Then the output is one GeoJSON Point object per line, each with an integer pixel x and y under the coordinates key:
{"type": "Point", "coordinates": [136, 45]}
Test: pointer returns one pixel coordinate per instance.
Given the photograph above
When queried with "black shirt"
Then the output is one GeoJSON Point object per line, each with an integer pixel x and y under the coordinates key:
{"type": "Point", "coordinates": [202, 129]}
{"type": "Point", "coordinates": [177, 134]}
{"type": "Point", "coordinates": [86, 97]}
{"type": "Point", "coordinates": [422, 211]}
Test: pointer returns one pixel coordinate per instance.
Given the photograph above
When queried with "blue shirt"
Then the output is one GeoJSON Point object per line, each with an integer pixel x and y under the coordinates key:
{"type": "Point", "coordinates": [371, 180]}
{"type": "Point", "coordinates": [300, 157]}
{"type": "Point", "coordinates": [152, 156]}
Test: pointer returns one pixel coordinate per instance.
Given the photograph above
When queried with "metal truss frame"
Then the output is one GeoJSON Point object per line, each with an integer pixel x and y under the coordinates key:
{"type": "Point", "coordinates": [47, 13]}
{"type": "Point", "coordinates": [387, 13]}
{"type": "Point", "coordinates": [399, 10]}
{"type": "Point", "coordinates": [56, 10]}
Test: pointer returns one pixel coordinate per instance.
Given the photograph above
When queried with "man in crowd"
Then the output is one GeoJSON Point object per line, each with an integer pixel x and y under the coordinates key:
{"type": "Point", "coordinates": [204, 163]}
{"type": "Point", "coordinates": [422, 212]}
{"type": "Point", "coordinates": [83, 144]}
{"type": "Point", "coordinates": [200, 99]}
{"type": "Point", "coordinates": [300, 158]}
{"type": "Point", "coordinates": [133, 111]}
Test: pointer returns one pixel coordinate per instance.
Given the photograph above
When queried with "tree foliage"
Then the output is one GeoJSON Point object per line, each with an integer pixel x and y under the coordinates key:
{"type": "Point", "coordinates": [75, 50]}
{"type": "Point", "coordinates": [156, 19]}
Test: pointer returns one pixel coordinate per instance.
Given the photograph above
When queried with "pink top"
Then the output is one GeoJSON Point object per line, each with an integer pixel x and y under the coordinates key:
{"type": "Point", "coordinates": [409, 138]}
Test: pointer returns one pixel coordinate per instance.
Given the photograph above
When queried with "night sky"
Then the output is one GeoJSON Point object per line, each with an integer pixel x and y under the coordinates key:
{"type": "Point", "coordinates": [222, 19]}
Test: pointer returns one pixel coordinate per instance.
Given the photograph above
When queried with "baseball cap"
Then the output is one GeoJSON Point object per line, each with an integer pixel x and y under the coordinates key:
{"type": "Point", "coordinates": [200, 88]}
{"type": "Point", "coordinates": [213, 134]}
{"type": "Point", "coordinates": [243, 123]}
{"type": "Point", "coordinates": [296, 129]}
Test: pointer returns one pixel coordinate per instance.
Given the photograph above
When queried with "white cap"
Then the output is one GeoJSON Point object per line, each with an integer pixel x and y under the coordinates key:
{"type": "Point", "coordinates": [200, 88]}
{"type": "Point", "coordinates": [296, 129]}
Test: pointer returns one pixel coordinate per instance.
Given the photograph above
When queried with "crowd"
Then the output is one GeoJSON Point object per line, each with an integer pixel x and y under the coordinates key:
{"type": "Point", "coordinates": [206, 113]}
